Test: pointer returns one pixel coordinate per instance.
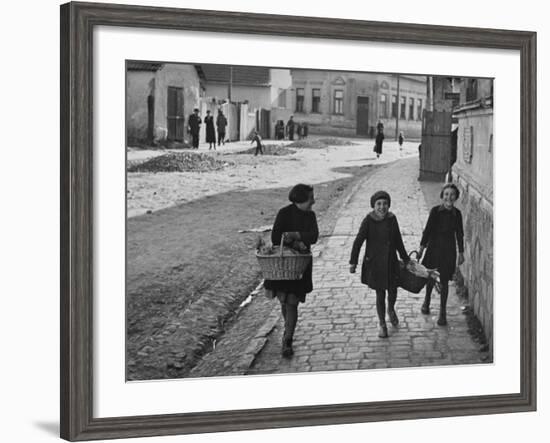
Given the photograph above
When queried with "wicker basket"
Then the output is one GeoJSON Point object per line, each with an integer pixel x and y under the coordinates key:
{"type": "Point", "coordinates": [283, 266]}
{"type": "Point", "coordinates": [409, 281]}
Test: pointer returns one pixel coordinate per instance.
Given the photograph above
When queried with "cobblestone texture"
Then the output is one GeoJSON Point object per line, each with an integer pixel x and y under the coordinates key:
{"type": "Point", "coordinates": [337, 326]}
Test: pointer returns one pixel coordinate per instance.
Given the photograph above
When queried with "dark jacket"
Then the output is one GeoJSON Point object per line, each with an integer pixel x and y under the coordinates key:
{"type": "Point", "coordinates": [210, 131]}
{"type": "Point", "coordinates": [194, 123]}
{"type": "Point", "coordinates": [292, 219]}
{"type": "Point", "coordinates": [378, 143]}
{"type": "Point", "coordinates": [221, 123]}
{"type": "Point", "coordinates": [380, 265]}
{"type": "Point", "coordinates": [441, 237]}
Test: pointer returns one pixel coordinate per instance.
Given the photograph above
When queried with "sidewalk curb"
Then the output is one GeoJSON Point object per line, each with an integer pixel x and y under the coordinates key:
{"type": "Point", "coordinates": [260, 339]}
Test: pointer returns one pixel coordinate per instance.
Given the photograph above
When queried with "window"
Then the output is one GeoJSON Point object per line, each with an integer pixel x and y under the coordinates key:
{"type": "Point", "coordinates": [394, 106]}
{"type": "Point", "coordinates": [419, 109]}
{"type": "Point", "coordinates": [411, 108]}
{"type": "Point", "coordinates": [338, 101]}
{"type": "Point", "coordinates": [299, 99]}
{"type": "Point", "coordinates": [383, 111]}
{"type": "Point", "coordinates": [471, 89]}
{"type": "Point", "coordinates": [402, 107]}
{"type": "Point", "coordinates": [281, 102]}
{"type": "Point", "coordinates": [316, 100]}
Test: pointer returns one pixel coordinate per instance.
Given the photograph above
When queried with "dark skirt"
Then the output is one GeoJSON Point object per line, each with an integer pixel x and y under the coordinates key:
{"type": "Point", "coordinates": [297, 287]}
{"type": "Point", "coordinates": [441, 255]}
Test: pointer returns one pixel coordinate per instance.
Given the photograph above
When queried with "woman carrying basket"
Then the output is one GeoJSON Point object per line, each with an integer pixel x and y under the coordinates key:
{"type": "Point", "coordinates": [442, 235]}
{"type": "Point", "coordinates": [298, 223]}
{"type": "Point", "coordinates": [380, 269]}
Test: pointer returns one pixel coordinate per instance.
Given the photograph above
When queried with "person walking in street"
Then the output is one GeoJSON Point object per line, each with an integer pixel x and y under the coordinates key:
{"type": "Point", "coordinates": [379, 140]}
{"type": "Point", "coordinates": [193, 127]}
{"type": "Point", "coordinates": [221, 124]}
{"type": "Point", "coordinates": [210, 131]}
{"type": "Point", "coordinates": [290, 128]}
{"type": "Point", "coordinates": [379, 271]}
{"type": "Point", "coordinates": [299, 224]}
{"type": "Point", "coordinates": [400, 139]}
{"type": "Point", "coordinates": [443, 234]}
{"type": "Point", "coordinates": [258, 141]}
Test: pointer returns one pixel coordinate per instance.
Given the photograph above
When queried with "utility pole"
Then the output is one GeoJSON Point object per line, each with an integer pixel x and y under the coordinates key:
{"type": "Point", "coordinates": [230, 86]}
{"type": "Point", "coordinates": [398, 110]}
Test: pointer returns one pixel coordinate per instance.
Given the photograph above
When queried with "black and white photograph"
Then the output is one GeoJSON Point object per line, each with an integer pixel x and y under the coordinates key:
{"type": "Point", "coordinates": [303, 220]}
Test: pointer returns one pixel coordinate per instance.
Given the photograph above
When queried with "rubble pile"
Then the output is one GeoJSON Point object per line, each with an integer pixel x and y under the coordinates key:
{"type": "Point", "coordinates": [179, 162]}
{"type": "Point", "coordinates": [270, 149]}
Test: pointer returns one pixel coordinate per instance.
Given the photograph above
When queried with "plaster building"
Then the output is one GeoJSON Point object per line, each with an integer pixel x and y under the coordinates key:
{"type": "Point", "coordinates": [263, 94]}
{"type": "Point", "coordinates": [159, 98]}
{"type": "Point", "coordinates": [473, 173]}
{"type": "Point", "coordinates": [352, 103]}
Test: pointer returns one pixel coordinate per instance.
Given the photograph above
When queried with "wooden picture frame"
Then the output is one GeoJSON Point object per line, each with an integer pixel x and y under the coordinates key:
{"type": "Point", "coordinates": [77, 23]}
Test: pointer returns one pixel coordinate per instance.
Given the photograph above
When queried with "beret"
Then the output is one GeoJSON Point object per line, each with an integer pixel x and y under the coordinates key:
{"type": "Point", "coordinates": [380, 195]}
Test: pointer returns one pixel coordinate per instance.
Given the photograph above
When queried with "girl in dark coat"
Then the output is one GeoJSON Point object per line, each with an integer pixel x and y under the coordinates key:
{"type": "Point", "coordinates": [380, 266]}
{"type": "Point", "coordinates": [210, 130]}
{"type": "Point", "coordinates": [299, 224]}
{"type": "Point", "coordinates": [442, 235]}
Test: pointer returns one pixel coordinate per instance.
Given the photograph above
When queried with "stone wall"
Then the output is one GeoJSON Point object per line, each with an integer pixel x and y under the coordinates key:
{"type": "Point", "coordinates": [473, 173]}
{"type": "Point", "coordinates": [476, 274]}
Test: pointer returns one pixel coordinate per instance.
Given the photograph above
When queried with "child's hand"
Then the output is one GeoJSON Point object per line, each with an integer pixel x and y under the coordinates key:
{"type": "Point", "coordinates": [460, 258]}
{"type": "Point", "coordinates": [352, 269]}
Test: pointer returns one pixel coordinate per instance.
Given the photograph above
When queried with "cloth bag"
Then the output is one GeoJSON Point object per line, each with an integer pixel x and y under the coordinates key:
{"type": "Point", "coordinates": [413, 276]}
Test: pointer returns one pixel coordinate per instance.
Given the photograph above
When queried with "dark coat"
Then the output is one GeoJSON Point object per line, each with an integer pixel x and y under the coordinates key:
{"type": "Point", "coordinates": [378, 143]}
{"type": "Point", "coordinates": [380, 266]}
{"type": "Point", "coordinates": [210, 131]}
{"type": "Point", "coordinates": [441, 237]}
{"type": "Point", "coordinates": [292, 219]}
{"type": "Point", "coordinates": [194, 123]}
{"type": "Point", "coordinates": [221, 123]}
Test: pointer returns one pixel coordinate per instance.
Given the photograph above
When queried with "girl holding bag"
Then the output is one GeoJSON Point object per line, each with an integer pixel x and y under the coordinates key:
{"type": "Point", "coordinates": [442, 236]}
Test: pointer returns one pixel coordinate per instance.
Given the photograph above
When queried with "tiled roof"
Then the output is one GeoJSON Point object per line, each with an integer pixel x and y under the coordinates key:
{"type": "Point", "coordinates": [242, 75]}
{"type": "Point", "coordinates": [143, 66]}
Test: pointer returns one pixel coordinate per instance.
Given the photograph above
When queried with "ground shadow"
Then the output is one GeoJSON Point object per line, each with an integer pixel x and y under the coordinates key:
{"type": "Point", "coordinates": [48, 427]}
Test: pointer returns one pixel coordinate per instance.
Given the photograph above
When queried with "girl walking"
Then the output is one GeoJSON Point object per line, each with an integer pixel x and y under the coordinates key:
{"type": "Point", "coordinates": [299, 224]}
{"type": "Point", "coordinates": [442, 236]}
{"type": "Point", "coordinates": [379, 271]}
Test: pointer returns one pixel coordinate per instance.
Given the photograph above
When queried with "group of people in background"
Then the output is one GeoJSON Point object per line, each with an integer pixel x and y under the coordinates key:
{"type": "Point", "coordinates": [296, 224]}
{"type": "Point", "coordinates": [194, 125]}
{"type": "Point", "coordinates": [292, 127]}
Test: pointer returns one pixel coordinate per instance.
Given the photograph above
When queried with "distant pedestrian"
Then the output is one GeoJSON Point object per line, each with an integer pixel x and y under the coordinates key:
{"type": "Point", "coordinates": [378, 143]}
{"type": "Point", "coordinates": [379, 271]}
{"type": "Point", "coordinates": [290, 126]}
{"type": "Point", "coordinates": [280, 130]}
{"type": "Point", "coordinates": [210, 130]}
{"type": "Point", "coordinates": [443, 234]}
{"type": "Point", "coordinates": [258, 141]}
{"type": "Point", "coordinates": [221, 124]}
{"type": "Point", "coordinates": [400, 139]}
{"type": "Point", "coordinates": [305, 130]}
{"type": "Point", "coordinates": [299, 224]}
{"type": "Point", "coordinates": [193, 127]}
{"type": "Point", "coordinates": [299, 130]}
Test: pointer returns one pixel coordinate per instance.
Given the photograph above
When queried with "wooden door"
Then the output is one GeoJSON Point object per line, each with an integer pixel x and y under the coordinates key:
{"type": "Point", "coordinates": [176, 118]}
{"type": "Point", "coordinates": [363, 116]}
{"type": "Point", "coordinates": [436, 151]}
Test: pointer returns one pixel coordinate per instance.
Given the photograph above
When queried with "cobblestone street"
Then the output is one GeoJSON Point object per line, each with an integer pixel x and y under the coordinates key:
{"type": "Point", "coordinates": [338, 326]}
